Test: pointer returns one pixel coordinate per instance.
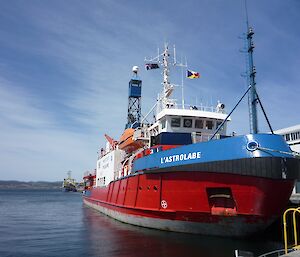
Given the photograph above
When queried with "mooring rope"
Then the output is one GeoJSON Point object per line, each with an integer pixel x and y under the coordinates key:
{"type": "Point", "coordinates": [293, 153]}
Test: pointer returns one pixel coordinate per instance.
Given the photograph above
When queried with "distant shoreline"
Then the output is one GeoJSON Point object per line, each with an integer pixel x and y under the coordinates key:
{"type": "Point", "coordinates": [14, 184]}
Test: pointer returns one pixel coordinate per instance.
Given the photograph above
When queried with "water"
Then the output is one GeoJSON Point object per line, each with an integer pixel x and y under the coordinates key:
{"type": "Point", "coordinates": [42, 223]}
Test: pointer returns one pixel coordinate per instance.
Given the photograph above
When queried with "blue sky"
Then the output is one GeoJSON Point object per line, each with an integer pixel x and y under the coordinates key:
{"type": "Point", "coordinates": [65, 67]}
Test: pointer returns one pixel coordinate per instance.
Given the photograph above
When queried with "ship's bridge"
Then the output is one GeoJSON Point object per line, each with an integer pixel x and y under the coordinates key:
{"type": "Point", "coordinates": [199, 122]}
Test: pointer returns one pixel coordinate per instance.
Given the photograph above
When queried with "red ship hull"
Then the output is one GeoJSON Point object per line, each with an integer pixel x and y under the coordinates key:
{"type": "Point", "coordinates": [194, 202]}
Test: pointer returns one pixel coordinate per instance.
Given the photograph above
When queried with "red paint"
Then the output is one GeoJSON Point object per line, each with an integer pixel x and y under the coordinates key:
{"type": "Point", "coordinates": [154, 148]}
{"type": "Point", "coordinates": [195, 196]}
{"type": "Point", "coordinates": [90, 181]}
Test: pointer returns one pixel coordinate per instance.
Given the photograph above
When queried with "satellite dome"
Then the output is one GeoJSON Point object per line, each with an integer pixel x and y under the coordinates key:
{"type": "Point", "coordinates": [135, 69]}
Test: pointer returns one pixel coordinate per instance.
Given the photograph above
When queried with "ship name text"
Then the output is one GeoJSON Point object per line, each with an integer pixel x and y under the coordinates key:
{"type": "Point", "coordinates": [180, 157]}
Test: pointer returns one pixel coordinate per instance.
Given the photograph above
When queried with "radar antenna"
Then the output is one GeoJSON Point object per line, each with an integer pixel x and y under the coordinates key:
{"type": "Point", "coordinates": [163, 59]}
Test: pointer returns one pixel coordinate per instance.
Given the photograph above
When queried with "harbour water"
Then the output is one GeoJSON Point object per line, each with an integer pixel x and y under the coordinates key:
{"type": "Point", "coordinates": [48, 223]}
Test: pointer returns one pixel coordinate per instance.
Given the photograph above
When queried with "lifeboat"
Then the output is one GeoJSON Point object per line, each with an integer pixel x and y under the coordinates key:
{"type": "Point", "coordinates": [128, 142]}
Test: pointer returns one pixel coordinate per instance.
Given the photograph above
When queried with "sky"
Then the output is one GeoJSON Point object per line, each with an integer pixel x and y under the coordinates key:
{"type": "Point", "coordinates": [65, 68]}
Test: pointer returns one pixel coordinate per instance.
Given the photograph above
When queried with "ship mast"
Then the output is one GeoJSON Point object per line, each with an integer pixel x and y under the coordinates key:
{"type": "Point", "coordinates": [252, 97]}
{"type": "Point", "coordinates": [163, 59]}
{"type": "Point", "coordinates": [252, 92]}
{"type": "Point", "coordinates": [168, 88]}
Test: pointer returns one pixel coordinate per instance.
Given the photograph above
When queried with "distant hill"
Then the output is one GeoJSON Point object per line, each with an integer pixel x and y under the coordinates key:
{"type": "Point", "coordinates": [13, 184]}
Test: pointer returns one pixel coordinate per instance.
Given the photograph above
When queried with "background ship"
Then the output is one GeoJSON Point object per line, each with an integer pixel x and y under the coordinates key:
{"type": "Point", "coordinates": [183, 173]}
{"type": "Point", "coordinates": [69, 184]}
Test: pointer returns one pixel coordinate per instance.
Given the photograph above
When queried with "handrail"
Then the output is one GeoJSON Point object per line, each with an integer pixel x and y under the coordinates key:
{"type": "Point", "coordinates": [295, 225]}
{"type": "Point", "coordinates": [295, 210]}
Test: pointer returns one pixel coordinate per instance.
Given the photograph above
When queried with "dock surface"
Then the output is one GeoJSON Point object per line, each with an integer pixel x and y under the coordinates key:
{"type": "Point", "coordinates": [292, 254]}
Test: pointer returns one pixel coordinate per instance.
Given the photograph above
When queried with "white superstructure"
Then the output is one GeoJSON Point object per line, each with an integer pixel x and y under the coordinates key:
{"type": "Point", "coordinates": [292, 137]}
{"type": "Point", "coordinates": [108, 166]}
{"type": "Point", "coordinates": [201, 122]}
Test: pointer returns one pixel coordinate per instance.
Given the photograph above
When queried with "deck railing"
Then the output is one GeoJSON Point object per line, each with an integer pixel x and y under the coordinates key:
{"type": "Point", "coordinates": [172, 104]}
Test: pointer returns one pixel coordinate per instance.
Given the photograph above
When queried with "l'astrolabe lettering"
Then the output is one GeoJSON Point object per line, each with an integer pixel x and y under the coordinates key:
{"type": "Point", "coordinates": [180, 157]}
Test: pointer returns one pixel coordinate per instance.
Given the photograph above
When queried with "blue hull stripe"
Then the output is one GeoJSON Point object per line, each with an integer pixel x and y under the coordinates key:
{"type": "Point", "coordinates": [215, 150]}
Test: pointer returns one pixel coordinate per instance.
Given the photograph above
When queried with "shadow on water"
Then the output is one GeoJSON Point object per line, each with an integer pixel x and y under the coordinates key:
{"type": "Point", "coordinates": [107, 237]}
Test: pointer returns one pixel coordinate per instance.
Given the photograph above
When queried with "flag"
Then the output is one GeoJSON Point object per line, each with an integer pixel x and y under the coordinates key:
{"type": "Point", "coordinates": [151, 66]}
{"type": "Point", "coordinates": [192, 74]}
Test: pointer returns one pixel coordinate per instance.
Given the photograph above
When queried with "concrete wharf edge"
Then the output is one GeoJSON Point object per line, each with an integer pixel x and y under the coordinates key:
{"type": "Point", "coordinates": [292, 254]}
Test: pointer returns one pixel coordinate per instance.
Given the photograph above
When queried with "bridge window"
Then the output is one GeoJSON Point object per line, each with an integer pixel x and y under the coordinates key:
{"type": "Point", "coordinates": [175, 122]}
{"type": "Point", "coordinates": [163, 124]}
{"type": "Point", "coordinates": [199, 124]}
{"type": "Point", "coordinates": [209, 124]}
{"type": "Point", "coordinates": [187, 123]}
{"type": "Point", "coordinates": [293, 136]}
{"type": "Point", "coordinates": [218, 124]}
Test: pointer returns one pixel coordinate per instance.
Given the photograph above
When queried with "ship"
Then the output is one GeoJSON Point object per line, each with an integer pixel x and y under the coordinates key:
{"type": "Point", "coordinates": [182, 172]}
{"type": "Point", "coordinates": [69, 184]}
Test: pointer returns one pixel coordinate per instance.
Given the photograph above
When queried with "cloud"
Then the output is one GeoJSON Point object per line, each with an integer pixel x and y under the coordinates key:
{"type": "Point", "coordinates": [33, 144]}
{"type": "Point", "coordinates": [65, 67]}
{"type": "Point", "coordinates": [20, 108]}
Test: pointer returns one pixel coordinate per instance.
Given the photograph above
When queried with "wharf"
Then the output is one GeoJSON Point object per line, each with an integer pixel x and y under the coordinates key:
{"type": "Point", "coordinates": [292, 254]}
{"type": "Point", "coordinates": [295, 199]}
